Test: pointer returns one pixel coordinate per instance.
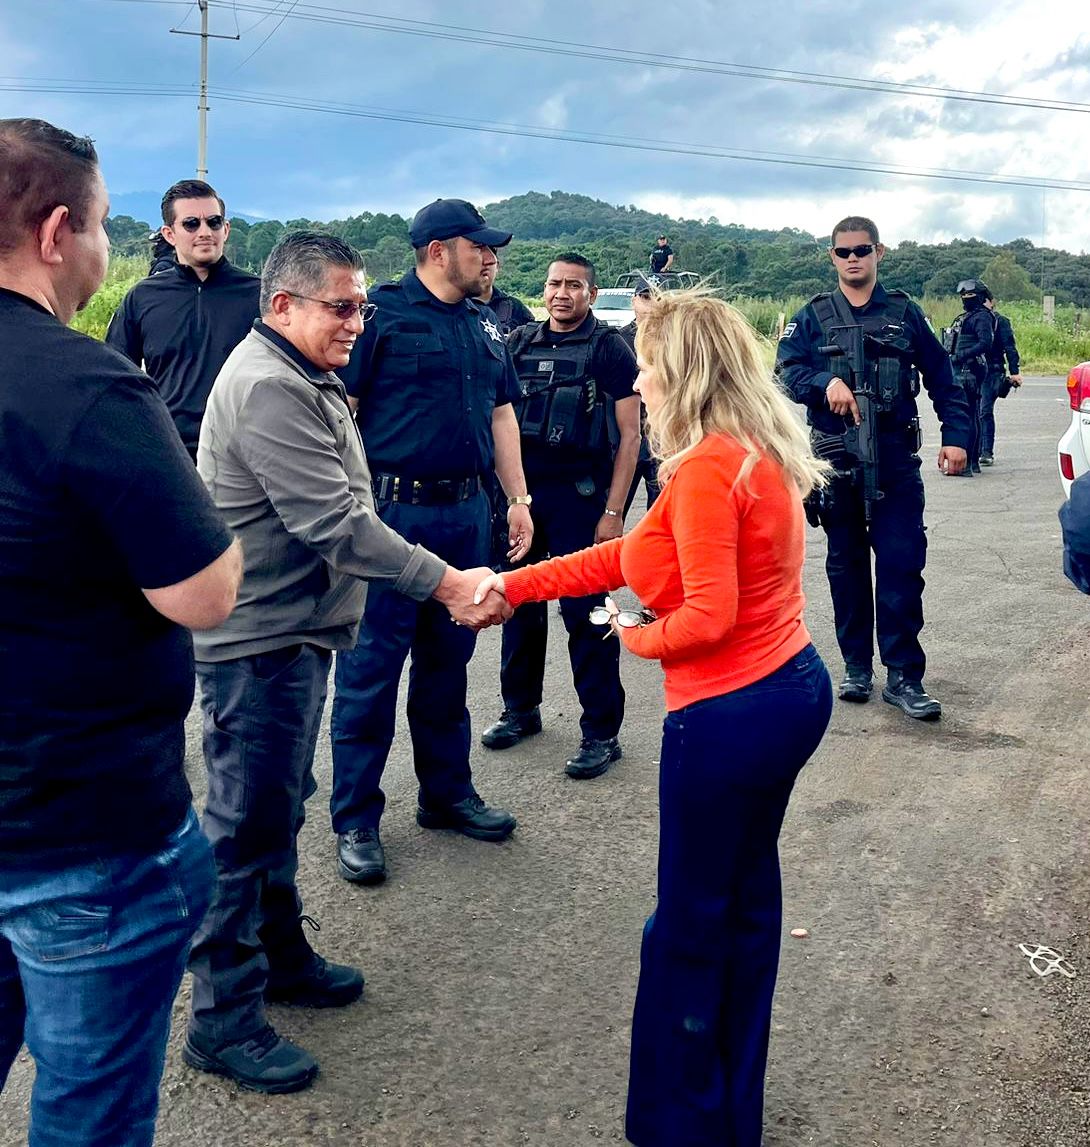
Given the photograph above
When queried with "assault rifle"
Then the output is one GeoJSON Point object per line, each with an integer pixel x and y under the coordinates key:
{"type": "Point", "coordinates": [860, 441]}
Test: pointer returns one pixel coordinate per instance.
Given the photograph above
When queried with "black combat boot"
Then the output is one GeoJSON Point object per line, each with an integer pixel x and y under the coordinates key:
{"type": "Point", "coordinates": [910, 698]}
{"type": "Point", "coordinates": [512, 726]}
{"type": "Point", "coordinates": [593, 759]}
{"type": "Point", "coordinates": [361, 857]}
{"type": "Point", "coordinates": [857, 684]}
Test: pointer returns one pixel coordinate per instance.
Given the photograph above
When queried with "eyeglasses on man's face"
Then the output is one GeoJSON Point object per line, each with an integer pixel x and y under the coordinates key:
{"type": "Point", "coordinates": [192, 223]}
{"type": "Point", "coordinates": [860, 251]}
{"type": "Point", "coordinates": [344, 309]}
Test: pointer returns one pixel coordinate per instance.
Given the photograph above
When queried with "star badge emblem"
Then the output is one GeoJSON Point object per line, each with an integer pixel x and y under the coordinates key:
{"type": "Point", "coordinates": [492, 330]}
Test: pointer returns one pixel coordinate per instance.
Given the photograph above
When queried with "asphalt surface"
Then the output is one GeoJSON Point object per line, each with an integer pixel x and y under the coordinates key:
{"type": "Point", "coordinates": [500, 978]}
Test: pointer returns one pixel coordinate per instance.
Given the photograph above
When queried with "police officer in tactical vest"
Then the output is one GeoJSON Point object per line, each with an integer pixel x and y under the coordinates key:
{"type": "Point", "coordinates": [1004, 376]}
{"type": "Point", "coordinates": [968, 341]}
{"type": "Point", "coordinates": [510, 311]}
{"type": "Point", "coordinates": [570, 368]}
{"type": "Point", "coordinates": [854, 359]}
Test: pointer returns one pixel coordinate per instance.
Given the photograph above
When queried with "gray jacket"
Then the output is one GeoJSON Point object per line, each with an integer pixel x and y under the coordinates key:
{"type": "Point", "coordinates": [283, 461]}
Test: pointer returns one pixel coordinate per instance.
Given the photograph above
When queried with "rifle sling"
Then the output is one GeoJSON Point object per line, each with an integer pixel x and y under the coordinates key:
{"type": "Point", "coordinates": [843, 310]}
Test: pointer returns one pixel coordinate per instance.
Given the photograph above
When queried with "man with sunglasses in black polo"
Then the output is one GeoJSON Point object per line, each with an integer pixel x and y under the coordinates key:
{"type": "Point", "coordinates": [898, 348]}
{"type": "Point", "coordinates": [182, 323]}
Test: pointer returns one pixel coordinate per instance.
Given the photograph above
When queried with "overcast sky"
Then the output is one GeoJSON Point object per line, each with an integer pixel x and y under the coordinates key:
{"type": "Point", "coordinates": [280, 162]}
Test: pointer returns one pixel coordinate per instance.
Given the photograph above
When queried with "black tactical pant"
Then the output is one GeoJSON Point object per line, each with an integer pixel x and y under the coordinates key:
{"type": "Point", "coordinates": [895, 535]}
{"type": "Point", "coordinates": [564, 521]}
{"type": "Point", "coordinates": [972, 386]}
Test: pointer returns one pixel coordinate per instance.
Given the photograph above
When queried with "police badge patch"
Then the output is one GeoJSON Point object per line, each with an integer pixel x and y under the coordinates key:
{"type": "Point", "coordinates": [492, 330]}
{"type": "Point", "coordinates": [788, 330]}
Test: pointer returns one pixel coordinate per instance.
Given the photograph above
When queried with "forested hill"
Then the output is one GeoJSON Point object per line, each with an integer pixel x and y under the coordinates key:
{"type": "Point", "coordinates": [742, 260]}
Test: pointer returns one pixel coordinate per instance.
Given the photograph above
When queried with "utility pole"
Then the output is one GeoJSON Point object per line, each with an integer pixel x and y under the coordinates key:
{"type": "Point", "coordinates": [202, 99]}
{"type": "Point", "coordinates": [202, 102]}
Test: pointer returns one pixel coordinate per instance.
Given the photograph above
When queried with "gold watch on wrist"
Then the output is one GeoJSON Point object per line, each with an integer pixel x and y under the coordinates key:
{"type": "Point", "coordinates": [519, 500]}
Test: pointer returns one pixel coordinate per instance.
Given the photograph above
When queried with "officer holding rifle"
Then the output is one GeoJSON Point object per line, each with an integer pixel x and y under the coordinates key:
{"type": "Point", "coordinates": [854, 359]}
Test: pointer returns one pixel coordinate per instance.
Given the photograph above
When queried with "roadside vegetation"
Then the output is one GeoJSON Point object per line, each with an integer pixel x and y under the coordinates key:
{"type": "Point", "coordinates": [1046, 348]}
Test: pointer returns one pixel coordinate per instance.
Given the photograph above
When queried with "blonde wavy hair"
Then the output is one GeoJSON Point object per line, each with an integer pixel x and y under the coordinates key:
{"type": "Point", "coordinates": [713, 380]}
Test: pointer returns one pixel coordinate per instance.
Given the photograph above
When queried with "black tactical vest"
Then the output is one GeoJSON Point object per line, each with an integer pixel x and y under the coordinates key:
{"type": "Point", "coordinates": [887, 347]}
{"type": "Point", "coordinates": [561, 405]}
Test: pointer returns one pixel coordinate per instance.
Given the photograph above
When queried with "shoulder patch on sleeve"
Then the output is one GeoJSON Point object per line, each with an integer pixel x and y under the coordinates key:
{"type": "Point", "coordinates": [789, 330]}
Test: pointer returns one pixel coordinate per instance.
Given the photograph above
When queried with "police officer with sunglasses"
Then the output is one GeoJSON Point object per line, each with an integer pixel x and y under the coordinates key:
{"type": "Point", "coordinates": [887, 519]}
{"type": "Point", "coordinates": [182, 323]}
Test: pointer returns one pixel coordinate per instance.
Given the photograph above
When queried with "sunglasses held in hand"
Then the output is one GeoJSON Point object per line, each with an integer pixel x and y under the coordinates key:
{"type": "Point", "coordinates": [626, 618]}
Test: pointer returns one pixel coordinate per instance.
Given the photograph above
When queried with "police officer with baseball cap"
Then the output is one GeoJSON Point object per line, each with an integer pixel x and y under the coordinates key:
{"type": "Point", "coordinates": [433, 385]}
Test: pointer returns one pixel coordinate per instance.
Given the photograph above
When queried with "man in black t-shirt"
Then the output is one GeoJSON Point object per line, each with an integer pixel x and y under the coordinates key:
{"type": "Point", "coordinates": [662, 256]}
{"type": "Point", "coordinates": [109, 548]}
{"type": "Point", "coordinates": [182, 323]}
{"type": "Point", "coordinates": [572, 369]}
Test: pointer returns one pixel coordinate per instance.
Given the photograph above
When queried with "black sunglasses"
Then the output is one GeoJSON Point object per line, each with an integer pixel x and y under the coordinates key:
{"type": "Point", "coordinates": [860, 251]}
{"type": "Point", "coordinates": [344, 309]}
{"type": "Point", "coordinates": [192, 224]}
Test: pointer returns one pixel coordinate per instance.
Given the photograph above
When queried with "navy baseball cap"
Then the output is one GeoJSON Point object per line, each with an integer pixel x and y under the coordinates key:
{"type": "Point", "coordinates": [451, 218]}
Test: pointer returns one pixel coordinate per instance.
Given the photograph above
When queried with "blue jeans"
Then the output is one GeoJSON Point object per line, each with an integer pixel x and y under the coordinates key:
{"type": "Point", "coordinates": [90, 960]}
{"type": "Point", "coordinates": [711, 949]}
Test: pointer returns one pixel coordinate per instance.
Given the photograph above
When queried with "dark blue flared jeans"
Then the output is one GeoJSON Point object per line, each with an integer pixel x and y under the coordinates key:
{"type": "Point", "coordinates": [711, 948]}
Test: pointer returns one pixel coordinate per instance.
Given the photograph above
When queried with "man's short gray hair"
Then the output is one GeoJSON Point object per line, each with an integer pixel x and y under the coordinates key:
{"type": "Point", "coordinates": [300, 262]}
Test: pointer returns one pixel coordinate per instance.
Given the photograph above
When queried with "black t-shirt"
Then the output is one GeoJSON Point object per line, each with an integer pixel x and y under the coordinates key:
{"type": "Point", "coordinates": [98, 498]}
{"type": "Point", "coordinates": [659, 255]}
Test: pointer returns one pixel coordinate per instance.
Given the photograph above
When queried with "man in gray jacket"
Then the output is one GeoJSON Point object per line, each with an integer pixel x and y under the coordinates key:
{"type": "Point", "coordinates": [284, 462]}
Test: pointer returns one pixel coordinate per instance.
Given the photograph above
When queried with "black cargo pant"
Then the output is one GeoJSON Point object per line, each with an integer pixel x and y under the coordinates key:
{"type": "Point", "coordinates": [564, 521]}
{"type": "Point", "coordinates": [971, 381]}
{"type": "Point", "coordinates": [261, 721]}
{"type": "Point", "coordinates": [895, 535]}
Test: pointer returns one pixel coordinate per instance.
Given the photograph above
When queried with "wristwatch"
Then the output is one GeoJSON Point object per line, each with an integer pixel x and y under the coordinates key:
{"type": "Point", "coordinates": [520, 500]}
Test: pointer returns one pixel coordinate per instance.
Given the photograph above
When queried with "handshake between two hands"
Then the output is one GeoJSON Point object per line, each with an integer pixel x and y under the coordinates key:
{"type": "Point", "coordinates": [475, 598]}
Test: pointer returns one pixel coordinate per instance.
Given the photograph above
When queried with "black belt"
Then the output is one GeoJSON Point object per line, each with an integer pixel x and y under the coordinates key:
{"type": "Point", "coordinates": [423, 492]}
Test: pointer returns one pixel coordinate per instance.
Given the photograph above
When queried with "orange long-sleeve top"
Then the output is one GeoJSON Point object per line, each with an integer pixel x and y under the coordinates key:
{"type": "Point", "coordinates": [718, 559]}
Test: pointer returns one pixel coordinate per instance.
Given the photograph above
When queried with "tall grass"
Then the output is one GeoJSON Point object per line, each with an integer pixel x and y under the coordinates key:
{"type": "Point", "coordinates": [1045, 348]}
{"type": "Point", "coordinates": [123, 272]}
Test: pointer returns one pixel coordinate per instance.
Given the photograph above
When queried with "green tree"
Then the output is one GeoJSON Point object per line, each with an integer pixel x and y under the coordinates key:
{"type": "Point", "coordinates": [128, 236]}
{"type": "Point", "coordinates": [1007, 280]}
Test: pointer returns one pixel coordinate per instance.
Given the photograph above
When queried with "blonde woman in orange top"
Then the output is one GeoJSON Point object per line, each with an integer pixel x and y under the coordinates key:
{"type": "Point", "coordinates": [717, 562]}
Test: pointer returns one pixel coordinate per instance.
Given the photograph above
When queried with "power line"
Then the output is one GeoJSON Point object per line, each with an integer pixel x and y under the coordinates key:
{"type": "Point", "coordinates": [276, 29]}
{"type": "Point", "coordinates": [523, 131]}
{"type": "Point", "coordinates": [324, 14]}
